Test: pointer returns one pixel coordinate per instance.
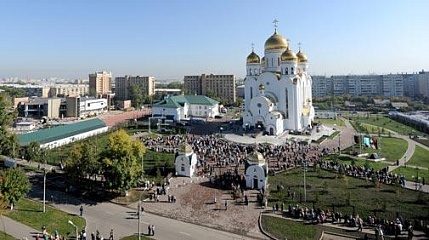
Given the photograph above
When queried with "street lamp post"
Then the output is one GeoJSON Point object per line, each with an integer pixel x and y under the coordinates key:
{"type": "Point", "coordinates": [139, 213]}
{"type": "Point", "coordinates": [339, 142]}
{"type": "Point", "coordinates": [417, 177]}
{"type": "Point", "coordinates": [74, 225]}
{"type": "Point", "coordinates": [44, 189]}
{"type": "Point", "coordinates": [305, 189]}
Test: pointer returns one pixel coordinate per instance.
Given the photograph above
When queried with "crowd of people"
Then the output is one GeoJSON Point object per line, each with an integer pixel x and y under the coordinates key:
{"type": "Point", "coordinates": [224, 160]}
{"type": "Point", "coordinates": [217, 152]}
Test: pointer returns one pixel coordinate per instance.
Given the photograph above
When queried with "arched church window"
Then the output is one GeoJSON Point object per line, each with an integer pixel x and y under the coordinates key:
{"type": "Point", "coordinates": [291, 71]}
{"type": "Point", "coordinates": [278, 61]}
{"type": "Point", "coordinates": [287, 71]}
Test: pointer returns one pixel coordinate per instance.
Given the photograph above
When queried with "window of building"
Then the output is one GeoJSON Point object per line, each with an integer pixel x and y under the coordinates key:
{"type": "Point", "coordinates": [182, 168]}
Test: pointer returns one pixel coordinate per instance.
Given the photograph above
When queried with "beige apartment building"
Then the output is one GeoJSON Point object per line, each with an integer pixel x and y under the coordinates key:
{"type": "Point", "coordinates": [99, 83]}
{"type": "Point", "coordinates": [223, 86]}
{"type": "Point", "coordinates": [123, 84]}
{"type": "Point", "coordinates": [63, 90]}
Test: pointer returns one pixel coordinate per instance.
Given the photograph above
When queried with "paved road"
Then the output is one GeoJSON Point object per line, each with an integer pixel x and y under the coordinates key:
{"type": "Point", "coordinates": [105, 216]}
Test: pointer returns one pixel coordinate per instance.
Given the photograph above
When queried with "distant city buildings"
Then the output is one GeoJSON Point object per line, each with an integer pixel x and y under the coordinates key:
{"type": "Point", "coordinates": [124, 84]}
{"type": "Point", "coordinates": [387, 85]}
{"type": "Point", "coordinates": [221, 86]}
{"type": "Point", "coordinates": [100, 83]}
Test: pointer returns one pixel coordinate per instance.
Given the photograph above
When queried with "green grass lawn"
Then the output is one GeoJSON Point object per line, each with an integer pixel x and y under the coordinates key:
{"type": "Point", "coordinates": [135, 237]}
{"type": "Point", "coordinates": [357, 162]}
{"type": "Point", "coordinates": [6, 236]}
{"type": "Point", "coordinates": [420, 157]}
{"type": "Point", "coordinates": [328, 190]}
{"type": "Point", "coordinates": [411, 173]}
{"type": "Point", "coordinates": [31, 213]}
{"type": "Point", "coordinates": [282, 228]}
{"type": "Point", "coordinates": [384, 122]}
{"type": "Point", "coordinates": [389, 148]}
{"type": "Point", "coordinates": [330, 122]}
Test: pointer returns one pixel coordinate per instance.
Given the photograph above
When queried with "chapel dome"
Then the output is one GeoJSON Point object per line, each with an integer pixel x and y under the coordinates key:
{"type": "Point", "coordinates": [302, 58]}
{"type": "Point", "coordinates": [276, 41]}
{"type": "Point", "coordinates": [253, 58]}
{"type": "Point", "coordinates": [288, 55]}
{"type": "Point", "coordinates": [256, 157]}
{"type": "Point", "coordinates": [185, 149]}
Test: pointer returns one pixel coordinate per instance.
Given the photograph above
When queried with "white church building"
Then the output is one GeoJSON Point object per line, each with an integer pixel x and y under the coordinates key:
{"type": "Point", "coordinates": [278, 89]}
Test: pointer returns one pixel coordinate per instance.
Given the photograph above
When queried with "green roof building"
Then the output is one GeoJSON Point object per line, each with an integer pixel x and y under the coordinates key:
{"type": "Point", "coordinates": [186, 106]}
{"type": "Point", "coordinates": [64, 134]}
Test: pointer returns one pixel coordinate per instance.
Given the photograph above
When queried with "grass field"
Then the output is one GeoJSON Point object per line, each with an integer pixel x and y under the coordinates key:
{"type": "Point", "coordinates": [31, 214]}
{"type": "Point", "coordinates": [411, 173]}
{"type": "Point", "coordinates": [6, 236]}
{"type": "Point", "coordinates": [389, 148]}
{"type": "Point", "coordinates": [135, 237]}
{"type": "Point", "coordinates": [384, 122]}
{"type": "Point", "coordinates": [420, 157]}
{"type": "Point", "coordinates": [282, 228]}
{"type": "Point", "coordinates": [331, 122]}
{"type": "Point", "coordinates": [328, 190]}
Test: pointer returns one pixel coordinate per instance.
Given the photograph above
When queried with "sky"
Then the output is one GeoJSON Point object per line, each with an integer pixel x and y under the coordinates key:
{"type": "Point", "coordinates": [170, 39]}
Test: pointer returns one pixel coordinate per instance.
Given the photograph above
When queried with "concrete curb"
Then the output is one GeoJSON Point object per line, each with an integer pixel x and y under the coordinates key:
{"type": "Point", "coordinates": [262, 230]}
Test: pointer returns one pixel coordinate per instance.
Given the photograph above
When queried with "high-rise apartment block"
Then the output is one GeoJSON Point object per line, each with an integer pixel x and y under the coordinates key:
{"type": "Point", "coordinates": [388, 85]}
{"type": "Point", "coordinates": [99, 83]}
{"type": "Point", "coordinates": [123, 85]}
{"type": "Point", "coordinates": [222, 86]}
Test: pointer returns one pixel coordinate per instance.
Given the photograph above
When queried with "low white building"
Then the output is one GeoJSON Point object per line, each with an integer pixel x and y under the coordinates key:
{"type": "Point", "coordinates": [61, 135]}
{"type": "Point", "coordinates": [185, 107]}
{"type": "Point", "coordinates": [256, 170]}
{"type": "Point", "coordinates": [186, 161]}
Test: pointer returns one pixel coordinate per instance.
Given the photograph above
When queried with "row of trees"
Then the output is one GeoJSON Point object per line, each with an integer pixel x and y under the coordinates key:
{"type": "Point", "coordinates": [119, 163]}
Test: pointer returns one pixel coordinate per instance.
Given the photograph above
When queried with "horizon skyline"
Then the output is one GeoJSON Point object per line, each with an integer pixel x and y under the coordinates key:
{"type": "Point", "coordinates": [169, 40]}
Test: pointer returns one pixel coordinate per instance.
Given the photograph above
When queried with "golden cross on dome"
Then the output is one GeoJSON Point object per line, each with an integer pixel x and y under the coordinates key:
{"type": "Point", "coordinates": [299, 46]}
{"type": "Point", "coordinates": [253, 47]}
{"type": "Point", "coordinates": [275, 23]}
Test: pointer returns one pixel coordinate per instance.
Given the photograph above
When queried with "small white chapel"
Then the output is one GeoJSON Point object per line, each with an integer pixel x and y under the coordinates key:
{"type": "Point", "coordinates": [256, 171]}
{"type": "Point", "coordinates": [185, 161]}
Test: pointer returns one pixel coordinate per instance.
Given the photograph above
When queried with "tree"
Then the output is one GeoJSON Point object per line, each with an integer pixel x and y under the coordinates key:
{"type": "Point", "coordinates": [8, 140]}
{"type": "Point", "coordinates": [121, 162]}
{"type": "Point", "coordinates": [33, 152]}
{"type": "Point", "coordinates": [14, 184]}
{"type": "Point", "coordinates": [136, 96]}
{"type": "Point", "coordinates": [83, 162]}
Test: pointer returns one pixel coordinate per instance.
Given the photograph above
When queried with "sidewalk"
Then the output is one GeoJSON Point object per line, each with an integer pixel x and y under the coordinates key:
{"type": "Point", "coordinates": [17, 229]}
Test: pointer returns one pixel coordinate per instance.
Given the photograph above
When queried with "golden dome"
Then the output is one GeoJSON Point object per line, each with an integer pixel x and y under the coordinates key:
{"type": "Point", "coordinates": [186, 149]}
{"type": "Point", "coordinates": [253, 58]}
{"type": "Point", "coordinates": [256, 157]}
{"type": "Point", "coordinates": [276, 41]}
{"type": "Point", "coordinates": [302, 58]}
{"type": "Point", "coordinates": [288, 55]}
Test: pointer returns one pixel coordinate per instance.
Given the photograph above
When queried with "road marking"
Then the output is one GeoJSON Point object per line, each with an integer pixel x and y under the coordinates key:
{"type": "Point", "coordinates": [187, 234]}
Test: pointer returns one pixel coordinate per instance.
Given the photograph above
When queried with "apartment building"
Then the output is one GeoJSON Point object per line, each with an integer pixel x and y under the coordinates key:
{"type": "Point", "coordinates": [99, 83]}
{"type": "Point", "coordinates": [123, 85]}
{"type": "Point", "coordinates": [387, 85]}
{"type": "Point", "coordinates": [222, 86]}
{"type": "Point", "coordinates": [63, 90]}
